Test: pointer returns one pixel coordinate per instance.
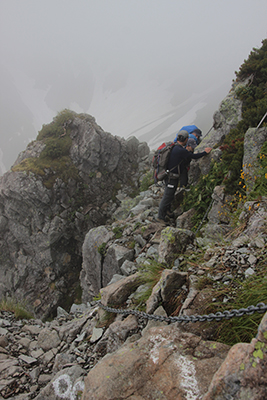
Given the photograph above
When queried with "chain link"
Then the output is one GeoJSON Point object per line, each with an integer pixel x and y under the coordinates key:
{"type": "Point", "coordinates": [218, 316]}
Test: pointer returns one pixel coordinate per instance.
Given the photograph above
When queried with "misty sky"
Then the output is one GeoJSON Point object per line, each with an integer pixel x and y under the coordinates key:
{"type": "Point", "coordinates": [141, 67]}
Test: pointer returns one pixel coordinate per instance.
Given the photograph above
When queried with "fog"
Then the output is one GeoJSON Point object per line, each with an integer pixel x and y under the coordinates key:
{"type": "Point", "coordinates": [140, 67]}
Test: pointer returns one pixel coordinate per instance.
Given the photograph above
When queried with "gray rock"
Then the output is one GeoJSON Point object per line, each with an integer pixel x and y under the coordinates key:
{"type": "Point", "coordinates": [97, 333]}
{"type": "Point", "coordinates": [254, 139]}
{"type": "Point", "coordinates": [115, 278]}
{"type": "Point", "coordinates": [128, 268]}
{"type": "Point", "coordinates": [48, 339]}
{"type": "Point", "coordinates": [249, 272]}
{"type": "Point", "coordinates": [61, 312]}
{"type": "Point", "coordinates": [91, 273]}
{"type": "Point", "coordinates": [65, 383]}
{"type": "Point", "coordinates": [113, 260]}
{"type": "Point", "coordinates": [173, 241]}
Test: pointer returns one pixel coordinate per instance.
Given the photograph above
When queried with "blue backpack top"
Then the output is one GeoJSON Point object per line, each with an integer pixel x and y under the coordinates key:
{"type": "Point", "coordinates": [189, 129]}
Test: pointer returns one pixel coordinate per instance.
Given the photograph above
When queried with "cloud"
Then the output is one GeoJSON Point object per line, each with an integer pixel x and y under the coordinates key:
{"type": "Point", "coordinates": [127, 63]}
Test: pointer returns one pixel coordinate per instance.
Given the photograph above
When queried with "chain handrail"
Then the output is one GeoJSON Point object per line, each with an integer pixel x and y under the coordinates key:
{"type": "Point", "coordinates": [218, 316]}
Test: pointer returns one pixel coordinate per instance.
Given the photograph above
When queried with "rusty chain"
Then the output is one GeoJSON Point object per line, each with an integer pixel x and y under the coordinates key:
{"type": "Point", "coordinates": [218, 316]}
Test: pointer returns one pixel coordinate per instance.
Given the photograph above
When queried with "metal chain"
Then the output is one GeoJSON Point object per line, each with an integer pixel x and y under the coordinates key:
{"type": "Point", "coordinates": [218, 316]}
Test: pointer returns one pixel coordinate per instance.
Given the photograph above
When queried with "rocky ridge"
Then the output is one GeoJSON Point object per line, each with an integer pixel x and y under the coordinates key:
{"type": "Point", "coordinates": [82, 354]}
{"type": "Point", "coordinates": [79, 352]}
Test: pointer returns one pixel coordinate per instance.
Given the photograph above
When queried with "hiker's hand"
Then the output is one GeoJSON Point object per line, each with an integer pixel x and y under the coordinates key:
{"type": "Point", "coordinates": [208, 150]}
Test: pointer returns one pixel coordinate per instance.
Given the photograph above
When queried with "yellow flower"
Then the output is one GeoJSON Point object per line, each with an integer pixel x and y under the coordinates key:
{"type": "Point", "coordinates": [266, 175]}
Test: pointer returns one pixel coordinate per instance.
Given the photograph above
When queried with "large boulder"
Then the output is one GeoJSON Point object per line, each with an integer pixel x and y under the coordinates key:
{"type": "Point", "coordinates": [174, 241]}
{"type": "Point", "coordinates": [165, 363]}
{"type": "Point", "coordinates": [93, 252]}
{"type": "Point", "coordinates": [242, 375]}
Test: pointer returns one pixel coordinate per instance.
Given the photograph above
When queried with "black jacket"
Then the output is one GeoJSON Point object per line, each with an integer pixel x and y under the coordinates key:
{"type": "Point", "coordinates": [179, 155]}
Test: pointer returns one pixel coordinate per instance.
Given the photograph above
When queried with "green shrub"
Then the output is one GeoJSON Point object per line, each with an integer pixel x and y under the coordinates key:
{"type": "Point", "coordinates": [199, 197]}
{"type": "Point", "coordinates": [18, 309]}
{"type": "Point", "coordinates": [54, 161]}
{"type": "Point", "coordinates": [102, 249]}
{"type": "Point", "coordinates": [254, 106]}
{"type": "Point", "coordinates": [146, 181]}
{"type": "Point", "coordinates": [118, 232]}
{"type": "Point", "coordinates": [150, 274]}
{"type": "Point", "coordinates": [56, 147]}
{"type": "Point", "coordinates": [260, 185]}
{"type": "Point", "coordinates": [243, 294]}
{"type": "Point", "coordinates": [58, 126]}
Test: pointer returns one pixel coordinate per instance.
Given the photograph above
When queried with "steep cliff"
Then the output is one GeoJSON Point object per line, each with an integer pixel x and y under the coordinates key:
{"type": "Point", "coordinates": [63, 184]}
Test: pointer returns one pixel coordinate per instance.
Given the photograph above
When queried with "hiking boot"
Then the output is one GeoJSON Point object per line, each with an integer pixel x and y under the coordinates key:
{"type": "Point", "coordinates": [170, 214]}
{"type": "Point", "coordinates": [161, 221]}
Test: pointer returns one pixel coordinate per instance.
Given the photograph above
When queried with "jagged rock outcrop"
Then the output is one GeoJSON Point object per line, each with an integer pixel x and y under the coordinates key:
{"type": "Point", "coordinates": [254, 139]}
{"type": "Point", "coordinates": [224, 119]}
{"type": "Point", "coordinates": [43, 225]}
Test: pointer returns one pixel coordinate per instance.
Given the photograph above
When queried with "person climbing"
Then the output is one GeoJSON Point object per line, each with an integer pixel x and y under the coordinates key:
{"type": "Point", "coordinates": [193, 141]}
{"type": "Point", "coordinates": [178, 163]}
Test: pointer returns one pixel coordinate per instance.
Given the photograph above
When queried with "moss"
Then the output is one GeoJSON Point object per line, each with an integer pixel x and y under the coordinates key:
{"type": "Point", "coordinates": [49, 169]}
{"type": "Point", "coordinates": [102, 249]}
{"type": "Point", "coordinates": [167, 235]}
{"type": "Point", "coordinates": [131, 244]}
{"type": "Point", "coordinates": [118, 231]}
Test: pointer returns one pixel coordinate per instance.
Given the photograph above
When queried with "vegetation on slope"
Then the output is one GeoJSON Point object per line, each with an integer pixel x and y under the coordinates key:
{"type": "Point", "coordinates": [18, 309]}
{"type": "Point", "coordinates": [229, 171]}
{"type": "Point", "coordinates": [54, 161]}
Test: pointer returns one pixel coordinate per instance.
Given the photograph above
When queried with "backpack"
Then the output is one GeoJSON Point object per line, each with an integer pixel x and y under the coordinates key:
{"type": "Point", "coordinates": [160, 161]}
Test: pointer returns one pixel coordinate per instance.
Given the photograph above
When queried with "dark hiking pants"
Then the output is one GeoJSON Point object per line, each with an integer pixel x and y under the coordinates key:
{"type": "Point", "coordinates": [168, 197]}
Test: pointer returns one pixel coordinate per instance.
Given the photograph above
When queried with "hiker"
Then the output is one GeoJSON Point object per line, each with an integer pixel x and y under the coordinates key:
{"type": "Point", "coordinates": [178, 163]}
{"type": "Point", "coordinates": [193, 141]}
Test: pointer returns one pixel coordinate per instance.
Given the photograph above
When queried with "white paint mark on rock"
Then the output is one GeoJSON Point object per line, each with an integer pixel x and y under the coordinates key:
{"type": "Point", "coordinates": [157, 340]}
{"type": "Point", "coordinates": [188, 378]}
{"type": "Point", "coordinates": [64, 388]}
